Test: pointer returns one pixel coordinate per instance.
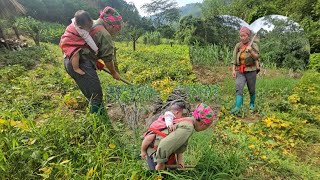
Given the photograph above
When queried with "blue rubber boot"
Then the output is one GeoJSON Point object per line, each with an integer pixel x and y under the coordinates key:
{"type": "Point", "coordinates": [238, 104]}
{"type": "Point", "coordinates": [102, 114]}
{"type": "Point", "coordinates": [95, 109]}
{"type": "Point", "coordinates": [252, 99]}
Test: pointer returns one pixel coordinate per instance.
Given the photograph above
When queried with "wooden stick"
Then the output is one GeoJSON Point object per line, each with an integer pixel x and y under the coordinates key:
{"type": "Point", "coordinates": [252, 40]}
{"type": "Point", "coordinates": [106, 70]}
{"type": "Point", "coordinates": [178, 166]}
{"type": "Point", "coordinates": [255, 35]}
{"type": "Point", "coordinates": [123, 80]}
{"type": "Point", "coordinates": [249, 45]}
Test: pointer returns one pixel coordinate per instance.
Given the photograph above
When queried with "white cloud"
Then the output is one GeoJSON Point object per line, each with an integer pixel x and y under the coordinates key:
{"type": "Point", "coordinates": [139, 3]}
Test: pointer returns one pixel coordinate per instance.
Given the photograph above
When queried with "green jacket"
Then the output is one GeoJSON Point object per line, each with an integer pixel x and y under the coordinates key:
{"type": "Point", "coordinates": [104, 42]}
{"type": "Point", "coordinates": [249, 60]}
{"type": "Point", "coordinates": [175, 142]}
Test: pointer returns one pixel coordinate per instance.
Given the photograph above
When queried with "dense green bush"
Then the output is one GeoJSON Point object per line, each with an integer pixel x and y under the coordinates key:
{"type": "Point", "coordinates": [210, 55]}
{"type": "Point", "coordinates": [314, 62]}
{"type": "Point", "coordinates": [52, 32]}
{"type": "Point", "coordinates": [27, 57]}
{"type": "Point", "coordinates": [166, 31]}
{"type": "Point", "coordinates": [152, 38]}
{"type": "Point", "coordinates": [217, 30]}
{"type": "Point", "coordinates": [40, 31]}
{"type": "Point", "coordinates": [309, 88]}
{"type": "Point", "coordinates": [203, 93]}
{"type": "Point", "coordinates": [284, 51]}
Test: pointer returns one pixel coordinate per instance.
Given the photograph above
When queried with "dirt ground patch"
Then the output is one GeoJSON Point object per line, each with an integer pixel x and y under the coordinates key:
{"type": "Point", "coordinates": [217, 74]}
{"type": "Point", "coordinates": [280, 72]}
{"type": "Point", "coordinates": [116, 113]}
{"type": "Point", "coordinates": [250, 117]}
{"type": "Point", "coordinates": [310, 154]}
{"type": "Point", "coordinates": [211, 75]}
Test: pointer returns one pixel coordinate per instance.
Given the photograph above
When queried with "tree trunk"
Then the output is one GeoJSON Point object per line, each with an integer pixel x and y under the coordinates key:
{"type": "Point", "coordinates": [1, 33]}
{"type": "Point", "coordinates": [134, 44]}
{"type": "Point", "coordinates": [15, 29]}
{"type": "Point", "coordinates": [2, 36]}
{"type": "Point", "coordinates": [37, 39]}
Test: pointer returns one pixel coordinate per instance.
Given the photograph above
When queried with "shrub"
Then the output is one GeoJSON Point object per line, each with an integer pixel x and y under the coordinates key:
{"type": "Point", "coordinates": [314, 62]}
{"type": "Point", "coordinates": [309, 89]}
{"type": "Point", "coordinates": [210, 55]}
{"type": "Point", "coordinates": [152, 38]}
{"type": "Point", "coordinates": [40, 31]}
{"type": "Point", "coordinates": [27, 57]}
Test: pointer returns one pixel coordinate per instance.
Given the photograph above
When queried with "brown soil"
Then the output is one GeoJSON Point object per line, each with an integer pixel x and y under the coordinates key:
{"type": "Point", "coordinates": [251, 117]}
{"type": "Point", "coordinates": [310, 154]}
{"type": "Point", "coordinates": [279, 72]}
{"type": "Point", "coordinates": [116, 114]}
{"type": "Point", "coordinates": [211, 75]}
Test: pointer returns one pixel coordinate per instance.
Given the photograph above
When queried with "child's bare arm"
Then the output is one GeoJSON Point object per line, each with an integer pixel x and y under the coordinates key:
{"type": "Point", "coordinates": [169, 116]}
{"type": "Point", "coordinates": [172, 128]}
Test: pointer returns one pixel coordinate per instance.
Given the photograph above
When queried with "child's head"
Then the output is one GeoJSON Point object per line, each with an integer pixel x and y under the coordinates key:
{"type": "Point", "coordinates": [204, 116]}
{"type": "Point", "coordinates": [177, 109]}
{"type": "Point", "coordinates": [83, 20]}
{"type": "Point", "coordinates": [244, 35]}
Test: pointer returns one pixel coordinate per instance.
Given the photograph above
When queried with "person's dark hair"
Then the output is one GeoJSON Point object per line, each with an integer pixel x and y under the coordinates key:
{"type": "Point", "coordinates": [82, 17]}
{"type": "Point", "coordinates": [178, 106]}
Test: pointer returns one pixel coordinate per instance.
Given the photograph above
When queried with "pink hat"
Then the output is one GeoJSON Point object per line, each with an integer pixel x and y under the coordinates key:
{"type": "Point", "coordinates": [111, 17]}
{"type": "Point", "coordinates": [203, 113]}
{"type": "Point", "coordinates": [245, 30]}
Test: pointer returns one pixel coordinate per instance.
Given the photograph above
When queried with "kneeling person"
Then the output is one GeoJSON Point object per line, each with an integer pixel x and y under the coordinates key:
{"type": "Point", "coordinates": [176, 142]}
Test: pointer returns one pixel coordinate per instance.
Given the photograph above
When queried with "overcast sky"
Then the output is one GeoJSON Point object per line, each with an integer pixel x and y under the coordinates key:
{"type": "Point", "coordinates": [139, 3]}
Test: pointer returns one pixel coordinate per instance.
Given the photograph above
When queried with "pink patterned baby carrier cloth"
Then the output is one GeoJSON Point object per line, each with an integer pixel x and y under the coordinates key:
{"type": "Point", "coordinates": [160, 124]}
{"type": "Point", "coordinates": [202, 113]}
{"type": "Point", "coordinates": [71, 42]}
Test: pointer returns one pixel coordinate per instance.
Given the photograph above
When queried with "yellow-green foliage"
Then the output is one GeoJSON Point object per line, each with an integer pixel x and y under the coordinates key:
{"type": "Point", "coordinates": [305, 99]}
{"type": "Point", "coordinates": [161, 66]}
{"type": "Point", "coordinates": [308, 89]}
{"type": "Point", "coordinates": [314, 62]}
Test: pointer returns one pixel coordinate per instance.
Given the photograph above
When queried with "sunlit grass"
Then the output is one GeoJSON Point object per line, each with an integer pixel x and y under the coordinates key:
{"type": "Point", "coordinates": [46, 131]}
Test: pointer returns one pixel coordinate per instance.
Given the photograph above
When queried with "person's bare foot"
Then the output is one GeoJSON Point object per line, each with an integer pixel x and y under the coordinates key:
{"type": "Point", "coordinates": [160, 166]}
{"type": "Point", "coordinates": [79, 71]}
{"type": "Point", "coordinates": [143, 155]}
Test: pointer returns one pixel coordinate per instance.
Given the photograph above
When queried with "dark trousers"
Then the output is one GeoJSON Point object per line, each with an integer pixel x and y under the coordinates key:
{"type": "Point", "coordinates": [151, 163]}
{"type": "Point", "coordinates": [248, 78]}
{"type": "Point", "coordinates": [89, 83]}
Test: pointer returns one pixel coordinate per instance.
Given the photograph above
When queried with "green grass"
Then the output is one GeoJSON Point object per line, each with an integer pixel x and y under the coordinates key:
{"type": "Point", "coordinates": [46, 131]}
{"type": "Point", "coordinates": [269, 91]}
{"type": "Point", "coordinates": [210, 55]}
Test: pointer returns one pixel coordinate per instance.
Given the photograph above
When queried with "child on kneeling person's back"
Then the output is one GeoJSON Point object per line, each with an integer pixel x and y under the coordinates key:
{"type": "Point", "coordinates": [176, 142]}
{"type": "Point", "coordinates": [164, 121]}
